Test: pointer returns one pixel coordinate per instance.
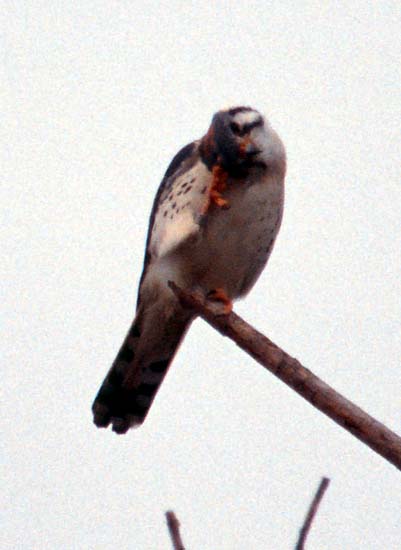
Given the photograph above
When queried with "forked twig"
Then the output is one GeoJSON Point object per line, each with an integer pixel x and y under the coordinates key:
{"type": "Point", "coordinates": [174, 529]}
{"type": "Point", "coordinates": [324, 483]}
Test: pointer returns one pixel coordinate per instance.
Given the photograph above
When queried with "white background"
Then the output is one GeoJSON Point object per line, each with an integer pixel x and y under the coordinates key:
{"type": "Point", "coordinates": [96, 99]}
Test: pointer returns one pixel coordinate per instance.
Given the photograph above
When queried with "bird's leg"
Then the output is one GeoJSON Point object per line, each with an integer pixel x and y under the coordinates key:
{"type": "Point", "coordinates": [219, 295]}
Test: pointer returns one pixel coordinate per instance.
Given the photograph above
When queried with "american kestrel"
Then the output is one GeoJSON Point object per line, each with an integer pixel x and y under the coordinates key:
{"type": "Point", "coordinates": [212, 228]}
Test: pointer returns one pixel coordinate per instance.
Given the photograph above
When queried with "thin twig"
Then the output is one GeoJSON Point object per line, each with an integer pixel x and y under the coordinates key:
{"type": "Point", "coordinates": [371, 432]}
{"type": "Point", "coordinates": [174, 529]}
{"type": "Point", "coordinates": [324, 483]}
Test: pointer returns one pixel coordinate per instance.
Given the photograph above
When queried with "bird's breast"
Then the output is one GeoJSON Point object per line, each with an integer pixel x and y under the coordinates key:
{"type": "Point", "coordinates": [236, 242]}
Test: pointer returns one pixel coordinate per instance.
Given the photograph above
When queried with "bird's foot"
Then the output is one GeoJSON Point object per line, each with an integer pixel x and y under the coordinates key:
{"type": "Point", "coordinates": [219, 295]}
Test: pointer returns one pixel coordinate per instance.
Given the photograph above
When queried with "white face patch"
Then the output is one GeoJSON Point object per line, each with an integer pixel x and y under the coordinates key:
{"type": "Point", "coordinates": [246, 117]}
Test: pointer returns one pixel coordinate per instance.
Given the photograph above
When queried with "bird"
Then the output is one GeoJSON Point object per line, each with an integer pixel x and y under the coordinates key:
{"type": "Point", "coordinates": [213, 225]}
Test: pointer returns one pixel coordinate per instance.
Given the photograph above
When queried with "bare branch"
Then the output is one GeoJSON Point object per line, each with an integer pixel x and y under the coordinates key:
{"type": "Point", "coordinates": [371, 432]}
{"type": "Point", "coordinates": [324, 483]}
{"type": "Point", "coordinates": [174, 529]}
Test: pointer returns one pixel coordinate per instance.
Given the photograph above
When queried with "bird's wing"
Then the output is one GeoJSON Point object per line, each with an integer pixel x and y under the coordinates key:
{"type": "Point", "coordinates": [180, 203]}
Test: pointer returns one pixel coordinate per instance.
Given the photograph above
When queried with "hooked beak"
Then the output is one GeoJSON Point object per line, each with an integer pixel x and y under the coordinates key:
{"type": "Point", "coordinates": [251, 150]}
{"type": "Point", "coordinates": [248, 148]}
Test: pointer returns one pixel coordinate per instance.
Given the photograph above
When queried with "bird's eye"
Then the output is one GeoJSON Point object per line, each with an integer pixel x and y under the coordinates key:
{"type": "Point", "coordinates": [235, 128]}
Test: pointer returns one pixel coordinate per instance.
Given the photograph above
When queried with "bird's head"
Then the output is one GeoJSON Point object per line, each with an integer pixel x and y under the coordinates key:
{"type": "Point", "coordinates": [239, 138]}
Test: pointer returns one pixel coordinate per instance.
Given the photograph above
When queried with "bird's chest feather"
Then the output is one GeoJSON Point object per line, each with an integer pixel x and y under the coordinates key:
{"type": "Point", "coordinates": [253, 213]}
{"type": "Point", "coordinates": [198, 243]}
{"type": "Point", "coordinates": [236, 242]}
{"type": "Point", "coordinates": [233, 244]}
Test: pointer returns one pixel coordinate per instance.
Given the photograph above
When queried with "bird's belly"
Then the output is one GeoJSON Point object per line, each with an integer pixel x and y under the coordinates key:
{"type": "Point", "coordinates": [235, 243]}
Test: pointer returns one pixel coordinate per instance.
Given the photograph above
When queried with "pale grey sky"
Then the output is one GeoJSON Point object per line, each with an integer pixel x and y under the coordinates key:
{"type": "Point", "coordinates": [96, 98]}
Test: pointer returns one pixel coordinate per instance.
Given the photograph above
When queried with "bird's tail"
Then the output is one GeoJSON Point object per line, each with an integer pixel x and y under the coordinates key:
{"type": "Point", "coordinates": [127, 393]}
